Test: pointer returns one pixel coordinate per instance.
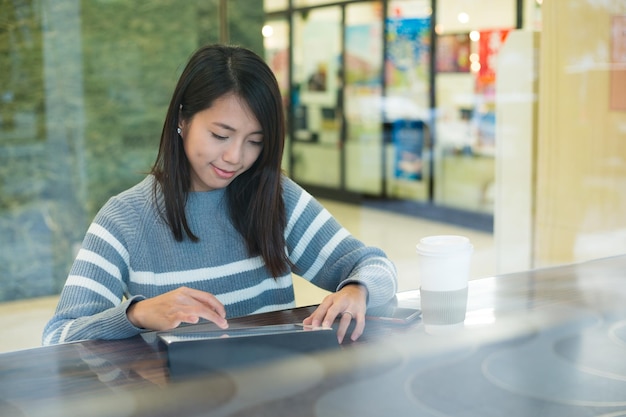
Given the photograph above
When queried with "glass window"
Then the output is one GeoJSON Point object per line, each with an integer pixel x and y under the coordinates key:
{"type": "Point", "coordinates": [469, 36]}
{"type": "Point", "coordinates": [316, 88]}
{"type": "Point", "coordinates": [276, 45]}
{"type": "Point", "coordinates": [81, 111]}
{"type": "Point", "coordinates": [406, 102]}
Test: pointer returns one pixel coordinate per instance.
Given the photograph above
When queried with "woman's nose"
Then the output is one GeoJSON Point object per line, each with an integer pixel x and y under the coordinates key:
{"type": "Point", "coordinates": [232, 153]}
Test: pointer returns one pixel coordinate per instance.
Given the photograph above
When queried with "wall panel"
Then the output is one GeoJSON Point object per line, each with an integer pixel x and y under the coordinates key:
{"type": "Point", "coordinates": [581, 173]}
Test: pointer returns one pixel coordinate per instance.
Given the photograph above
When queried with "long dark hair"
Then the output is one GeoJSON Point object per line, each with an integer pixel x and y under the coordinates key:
{"type": "Point", "coordinates": [254, 198]}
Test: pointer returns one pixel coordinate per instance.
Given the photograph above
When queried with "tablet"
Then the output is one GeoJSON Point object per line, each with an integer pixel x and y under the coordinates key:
{"type": "Point", "coordinates": [188, 334]}
{"type": "Point", "coordinates": [195, 351]}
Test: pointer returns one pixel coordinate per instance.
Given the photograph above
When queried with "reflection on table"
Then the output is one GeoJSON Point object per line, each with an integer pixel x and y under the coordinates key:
{"type": "Point", "coordinates": [549, 342]}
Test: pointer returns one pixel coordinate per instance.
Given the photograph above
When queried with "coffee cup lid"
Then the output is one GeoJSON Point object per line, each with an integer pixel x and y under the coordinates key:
{"type": "Point", "coordinates": [443, 245]}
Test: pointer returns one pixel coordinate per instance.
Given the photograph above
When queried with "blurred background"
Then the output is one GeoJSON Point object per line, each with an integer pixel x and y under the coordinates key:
{"type": "Point", "coordinates": [503, 120]}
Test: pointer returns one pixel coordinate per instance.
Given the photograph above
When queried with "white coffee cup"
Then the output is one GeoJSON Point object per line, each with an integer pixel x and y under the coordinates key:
{"type": "Point", "coordinates": [444, 265]}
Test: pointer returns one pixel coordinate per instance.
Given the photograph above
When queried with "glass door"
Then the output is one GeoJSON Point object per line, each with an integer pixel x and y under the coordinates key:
{"type": "Point", "coordinates": [316, 91]}
{"type": "Point", "coordinates": [363, 79]}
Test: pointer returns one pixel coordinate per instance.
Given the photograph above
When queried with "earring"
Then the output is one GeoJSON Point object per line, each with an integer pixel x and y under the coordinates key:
{"type": "Point", "coordinates": [179, 130]}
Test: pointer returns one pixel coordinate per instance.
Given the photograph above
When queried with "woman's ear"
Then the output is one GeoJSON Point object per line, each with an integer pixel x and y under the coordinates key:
{"type": "Point", "coordinates": [181, 121]}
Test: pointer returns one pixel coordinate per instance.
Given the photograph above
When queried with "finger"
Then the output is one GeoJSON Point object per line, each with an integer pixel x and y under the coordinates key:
{"type": "Point", "coordinates": [317, 317]}
{"type": "Point", "coordinates": [193, 314]}
{"type": "Point", "coordinates": [330, 317]}
{"type": "Point", "coordinates": [192, 304]}
{"type": "Point", "coordinates": [344, 323]}
{"type": "Point", "coordinates": [209, 300]}
{"type": "Point", "coordinates": [209, 314]}
{"type": "Point", "coordinates": [358, 328]}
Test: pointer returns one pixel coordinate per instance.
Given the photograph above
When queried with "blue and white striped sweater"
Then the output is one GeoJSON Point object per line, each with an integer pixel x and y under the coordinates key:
{"type": "Point", "coordinates": [129, 253]}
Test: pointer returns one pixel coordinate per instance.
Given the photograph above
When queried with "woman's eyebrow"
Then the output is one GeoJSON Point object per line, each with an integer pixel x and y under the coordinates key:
{"type": "Point", "coordinates": [232, 129]}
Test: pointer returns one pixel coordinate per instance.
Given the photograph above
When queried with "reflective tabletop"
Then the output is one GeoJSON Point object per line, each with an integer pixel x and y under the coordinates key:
{"type": "Point", "coordinates": [547, 342]}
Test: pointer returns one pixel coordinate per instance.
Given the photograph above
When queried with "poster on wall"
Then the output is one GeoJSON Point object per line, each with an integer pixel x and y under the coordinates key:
{"type": "Point", "coordinates": [320, 62]}
{"type": "Point", "coordinates": [618, 63]}
{"type": "Point", "coordinates": [363, 78]}
{"type": "Point", "coordinates": [408, 49]}
{"type": "Point", "coordinates": [453, 53]}
{"type": "Point", "coordinates": [488, 47]}
{"type": "Point", "coordinates": [407, 67]}
{"type": "Point", "coordinates": [407, 137]}
{"type": "Point", "coordinates": [363, 46]}
{"type": "Point", "coordinates": [485, 118]}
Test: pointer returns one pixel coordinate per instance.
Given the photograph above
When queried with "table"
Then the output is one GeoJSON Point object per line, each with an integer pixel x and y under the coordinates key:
{"type": "Point", "coordinates": [546, 342]}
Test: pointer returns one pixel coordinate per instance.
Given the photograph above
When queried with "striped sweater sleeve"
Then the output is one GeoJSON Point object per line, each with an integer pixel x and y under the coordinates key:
{"type": "Point", "coordinates": [91, 304]}
{"type": "Point", "coordinates": [327, 255]}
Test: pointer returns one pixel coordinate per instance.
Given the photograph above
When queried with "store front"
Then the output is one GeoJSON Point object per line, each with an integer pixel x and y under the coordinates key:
{"type": "Point", "coordinates": [393, 100]}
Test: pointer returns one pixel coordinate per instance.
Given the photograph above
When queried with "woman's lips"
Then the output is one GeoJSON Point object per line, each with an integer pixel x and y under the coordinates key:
{"type": "Point", "coordinates": [223, 173]}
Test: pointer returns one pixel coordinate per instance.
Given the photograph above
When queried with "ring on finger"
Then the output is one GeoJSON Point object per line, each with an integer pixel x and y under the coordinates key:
{"type": "Point", "coordinates": [347, 312]}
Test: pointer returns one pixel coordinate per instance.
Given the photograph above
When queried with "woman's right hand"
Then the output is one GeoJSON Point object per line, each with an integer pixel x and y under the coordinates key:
{"type": "Point", "coordinates": [182, 305]}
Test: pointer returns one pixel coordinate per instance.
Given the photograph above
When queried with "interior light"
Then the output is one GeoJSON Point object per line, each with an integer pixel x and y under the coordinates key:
{"type": "Point", "coordinates": [474, 35]}
{"type": "Point", "coordinates": [267, 31]}
{"type": "Point", "coordinates": [463, 17]}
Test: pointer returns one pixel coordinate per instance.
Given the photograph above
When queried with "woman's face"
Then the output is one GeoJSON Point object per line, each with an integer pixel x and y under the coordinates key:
{"type": "Point", "coordinates": [221, 143]}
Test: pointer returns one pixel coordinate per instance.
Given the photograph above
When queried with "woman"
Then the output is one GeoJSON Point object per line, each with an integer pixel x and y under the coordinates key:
{"type": "Point", "coordinates": [215, 231]}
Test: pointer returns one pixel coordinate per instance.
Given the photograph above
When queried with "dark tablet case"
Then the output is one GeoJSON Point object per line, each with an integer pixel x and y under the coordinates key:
{"type": "Point", "coordinates": [196, 352]}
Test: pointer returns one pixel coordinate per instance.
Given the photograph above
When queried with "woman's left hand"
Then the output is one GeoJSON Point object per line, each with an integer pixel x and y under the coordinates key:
{"type": "Point", "coordinates": [349, 303]}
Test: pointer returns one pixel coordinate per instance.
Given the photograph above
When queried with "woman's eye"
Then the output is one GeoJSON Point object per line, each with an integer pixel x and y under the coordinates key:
{"type": "Point", "coordinates": [216, 136]}
{"type": "Point", "coordinates": [257, 142]}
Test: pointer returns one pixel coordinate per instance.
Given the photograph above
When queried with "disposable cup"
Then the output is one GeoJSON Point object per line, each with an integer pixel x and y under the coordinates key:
{"type": "Point", "coordinates": [443, 267]}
